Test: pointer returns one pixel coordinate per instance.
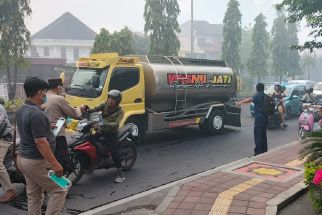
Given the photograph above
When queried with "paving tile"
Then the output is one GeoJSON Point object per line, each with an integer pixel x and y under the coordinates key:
{"type": "Point", "coordinates": [257, 205]}
{"type": "Point", "coordinates": [242, 196]}
{"type": "Point", "coordinates": [210, 195]}
{"type": "Point", "coordinates": [173, 205]}
{"type": "Point", "coordinates": [187, 206]}
{"type": "Point", "coordinates": [232, 213]}
{"type": "Point", "coordinates": [191, 199]}
{"type": "Point", "coordinates": [239, 203]}
{"type": "Point", "coordinates": [199, 212]}
{"type": "Point", "coordinates": [169, 212]}
{"type": "Point", "coordinates": [267, 195]}
{"type": "Point", "coordinates": [205, 207]}
{"type": "Point", "coordinates": [182, 212]}
{"type": "Point", "coordinates": [178, 198]}
{"type": "Point", "coordinates": [236, 209]}
{"type": "Point", "coordinates": [205, 200]}
{"type": "Point", "coordinates": [195, 193]}
{"type": "Point", "coordinates": [255, 211]}
{"type": "Point", "coordinates": [259, 199]}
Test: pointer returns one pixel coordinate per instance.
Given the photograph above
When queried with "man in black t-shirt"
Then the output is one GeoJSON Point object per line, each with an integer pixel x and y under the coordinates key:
{"type": "Point", "coordinates": [261, 119]}
{"type": "Point", "coordinates": [36, 151]}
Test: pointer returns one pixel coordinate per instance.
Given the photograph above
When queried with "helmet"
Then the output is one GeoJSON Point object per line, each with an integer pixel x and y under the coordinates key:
{"type": "Point", "coordinates": [115, 94]}
{"type": "Point", "coordinates": [310, 90]}
{"type": "Point", "coordinates": [277, 87]}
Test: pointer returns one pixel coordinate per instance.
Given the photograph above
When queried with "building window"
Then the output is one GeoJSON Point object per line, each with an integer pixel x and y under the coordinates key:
{"type": "Point", "coordinates": [55, 52]}
{"type": "Point", "coordinates": [63, 52]}
{"type": "Point", "coordinates": [76, 53]}
{"type": "Point", "coordinates": [46, 51]}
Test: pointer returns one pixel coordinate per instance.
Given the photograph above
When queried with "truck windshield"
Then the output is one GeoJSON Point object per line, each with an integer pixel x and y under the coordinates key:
{"type": "Point", "coordinates": [88, 82]}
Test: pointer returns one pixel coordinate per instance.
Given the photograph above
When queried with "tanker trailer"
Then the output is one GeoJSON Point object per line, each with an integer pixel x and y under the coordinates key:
{"type": "Point", "coordinates": [160, 92]}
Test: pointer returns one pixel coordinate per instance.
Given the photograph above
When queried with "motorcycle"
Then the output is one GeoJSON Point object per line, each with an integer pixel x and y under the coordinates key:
{"type": "Point", "coordinates": [84, 156]}
{"type": "Point", "coordinates": [15, 176]}
{"type": "Point", "coordinates": [307, 120]}
{"type": "Point", "coordinates": [275, 120]}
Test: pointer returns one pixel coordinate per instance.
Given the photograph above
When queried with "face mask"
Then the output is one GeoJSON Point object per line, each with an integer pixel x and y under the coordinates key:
{"type": "Point", "coordinates": [44, 99]}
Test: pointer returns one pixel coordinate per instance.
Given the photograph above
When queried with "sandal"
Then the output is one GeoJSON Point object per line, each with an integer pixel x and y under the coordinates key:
{"type": "Point", "coordinates": [8, 196]}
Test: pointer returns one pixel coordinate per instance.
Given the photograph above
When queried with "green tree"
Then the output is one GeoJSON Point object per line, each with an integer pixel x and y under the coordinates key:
{"type": "Point", "coordinates": [162, 25]}
{"type": "Point", "coordinates": [122, 42]}
{"type": "Point", "coordinates": [232, 35]}
{"type": "Point", "coordinates": [293, 55]}
{"type": "Point", "coordinates": [280, 47]}
{"type": "Point", "coordinates": [308, 64]}
{"type": "Point", "coordinates": [311, 12]}
{"type": "Point", "coordinates": [141, 44]}
{"type": "Point", "coordinates": [14, 38]}
{"type": "Point", "coordinates": [257, 63]}
{"type": "Point", "coordinates": [102, 43]}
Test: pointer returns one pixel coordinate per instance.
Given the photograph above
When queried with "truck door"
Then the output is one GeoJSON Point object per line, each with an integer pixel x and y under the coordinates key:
{"type": "Point", "coordinates": [130, 81]}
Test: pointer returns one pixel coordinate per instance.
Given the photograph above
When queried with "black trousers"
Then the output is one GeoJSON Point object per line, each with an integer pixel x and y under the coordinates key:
{"type": "Point", "coordinates": [260, 128]}
{"type": "Point", "coordinates": [109, 141]}
{"type": "Point", "coordinates": [61, 152]}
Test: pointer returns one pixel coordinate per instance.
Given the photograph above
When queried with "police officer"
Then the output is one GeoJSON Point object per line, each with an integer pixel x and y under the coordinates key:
{"type": "Point", "coordinates": [57, 107]}
{"type": "Point", "coordinates": [261, 119]}
{"type": "Point", "coordinates": [112, 115]}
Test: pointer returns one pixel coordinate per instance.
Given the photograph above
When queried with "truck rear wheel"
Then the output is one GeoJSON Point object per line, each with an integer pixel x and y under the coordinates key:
{"type": "Point", "coordinates": [139, 128]}
{"type": "Point", "coordinates": [216, 122]}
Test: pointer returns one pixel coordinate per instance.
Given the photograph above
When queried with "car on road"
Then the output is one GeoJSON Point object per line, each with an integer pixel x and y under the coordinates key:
{"type": "Point", "coordinates": [292, 100]}
{"type": "Point", "coordinates": [317, 89]}
{"type": "Point", "coordinates": [307, 82]}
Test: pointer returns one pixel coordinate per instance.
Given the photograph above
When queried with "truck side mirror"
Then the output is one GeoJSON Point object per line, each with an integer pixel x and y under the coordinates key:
{"type": "Point", "coordinates": [96, 81]}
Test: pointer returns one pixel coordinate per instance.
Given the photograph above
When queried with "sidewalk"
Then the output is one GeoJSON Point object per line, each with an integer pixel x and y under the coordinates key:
{"type": "Point", "coordinates": [256, 185]}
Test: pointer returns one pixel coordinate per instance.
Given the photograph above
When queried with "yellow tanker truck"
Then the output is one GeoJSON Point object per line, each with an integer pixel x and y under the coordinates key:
{"type": "Point", "coordinates": [159, 92]}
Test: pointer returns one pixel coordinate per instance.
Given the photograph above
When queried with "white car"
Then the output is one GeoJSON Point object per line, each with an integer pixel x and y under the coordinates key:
{"type": "Point", "coordinates": [317, 89]}
{"type": "Point", "coordinates": [307, 82]}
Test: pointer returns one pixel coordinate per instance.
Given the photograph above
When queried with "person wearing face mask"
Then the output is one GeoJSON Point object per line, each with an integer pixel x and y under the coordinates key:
{"type": "Point", "coordinates": [57, 107]}
{"type": "Point", "coordinates": [36, 151]}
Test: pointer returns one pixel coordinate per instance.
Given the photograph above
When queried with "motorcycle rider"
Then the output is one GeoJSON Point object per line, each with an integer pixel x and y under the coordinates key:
{"type": "Point", "coordinates": [278, 96]}
{"type": "Point", "coordinates": [112, 115]}
{"type": "Point", "coordinates": [309, 97]}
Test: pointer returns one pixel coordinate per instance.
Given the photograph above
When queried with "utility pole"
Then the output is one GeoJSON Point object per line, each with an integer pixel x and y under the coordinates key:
{"type": "Point", "coordinates": [192, 36]}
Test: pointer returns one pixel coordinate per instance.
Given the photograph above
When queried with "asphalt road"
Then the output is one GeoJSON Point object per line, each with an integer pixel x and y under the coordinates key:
{"type": "Point", "coordinates": [165, 157]}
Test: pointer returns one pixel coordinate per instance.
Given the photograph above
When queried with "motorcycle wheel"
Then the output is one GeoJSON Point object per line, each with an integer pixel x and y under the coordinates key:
{"type": "Point", "coordinates": [128, 154]}
{"type": "Point", "coordinates": [301, 134]}
{"type": "Point", "coordinates": [76, 167]}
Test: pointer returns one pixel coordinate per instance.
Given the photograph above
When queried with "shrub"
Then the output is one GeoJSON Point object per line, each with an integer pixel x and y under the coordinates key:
{"type": "Point", "coordinates": [13, 105]}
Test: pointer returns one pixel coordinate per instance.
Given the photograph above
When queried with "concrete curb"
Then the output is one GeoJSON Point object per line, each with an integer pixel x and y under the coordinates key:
{"type": "Point", "coordinates": [175, 187]}
{"type": "Point", "coordinates": [281, 200]}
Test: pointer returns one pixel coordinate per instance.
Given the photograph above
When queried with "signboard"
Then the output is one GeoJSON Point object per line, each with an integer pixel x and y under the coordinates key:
{"type": "Point", "coordinates": [4, 91]}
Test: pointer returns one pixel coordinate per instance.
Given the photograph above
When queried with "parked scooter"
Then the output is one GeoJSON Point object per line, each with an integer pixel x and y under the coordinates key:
{"type": "Point", "coordinates": [84, 156]}
{"type": "Point", "coordinates": [307, 120]}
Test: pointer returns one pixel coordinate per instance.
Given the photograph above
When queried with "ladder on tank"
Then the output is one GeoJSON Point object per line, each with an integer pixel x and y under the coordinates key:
{"type": "Point", "coordinates": [181, 93]}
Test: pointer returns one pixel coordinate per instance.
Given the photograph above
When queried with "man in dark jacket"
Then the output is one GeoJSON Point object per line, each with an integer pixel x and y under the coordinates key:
{"type": "Point", "coordinates": [261, 119]}
{"type": "Point", "coordinates": [112, 115]}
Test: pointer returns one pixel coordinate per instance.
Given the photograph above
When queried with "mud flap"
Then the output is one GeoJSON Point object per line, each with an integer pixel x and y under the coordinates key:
{"type": "Point", "coordinates": [233, 116]}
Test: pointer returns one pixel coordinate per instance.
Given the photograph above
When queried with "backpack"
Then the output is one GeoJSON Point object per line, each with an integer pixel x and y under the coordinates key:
{"type": "Point", "coordinates": [268, 105]}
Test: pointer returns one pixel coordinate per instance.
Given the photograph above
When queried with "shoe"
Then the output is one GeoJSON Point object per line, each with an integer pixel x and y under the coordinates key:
{"type": "Point", "coordinates": [120, 178]}
{"type": "Point", "coordinates": [8, 196]}
{"type": "Point", "coordinates": [284, 126]}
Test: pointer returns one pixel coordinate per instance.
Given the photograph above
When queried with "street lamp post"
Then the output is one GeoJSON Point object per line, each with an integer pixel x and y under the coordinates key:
{"type": "Point", "coordinates": [192, 39]}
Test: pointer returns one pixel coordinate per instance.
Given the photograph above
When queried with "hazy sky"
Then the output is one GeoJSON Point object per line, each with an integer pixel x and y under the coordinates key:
{"type": "Point", "coordinates": [115, 14]}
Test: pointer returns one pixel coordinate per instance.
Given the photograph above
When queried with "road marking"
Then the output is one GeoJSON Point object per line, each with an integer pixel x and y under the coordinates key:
{"type": "Point", "coordinates": [224, 199]}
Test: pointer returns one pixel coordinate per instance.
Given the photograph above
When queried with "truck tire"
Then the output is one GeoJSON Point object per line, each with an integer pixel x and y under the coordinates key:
{"type": "Point", "coordinates": [216, 122]}
{"type": "Point", "coordinates": [139, 127]}
{"type": "Point", "coordinates": [203, 126]}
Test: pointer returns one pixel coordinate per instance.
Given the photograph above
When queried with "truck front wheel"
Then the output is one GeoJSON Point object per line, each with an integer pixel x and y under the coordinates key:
{"type": "Point", "coordinates": [139, 128]}
{"type": "Point", "coordinates": [216, 122]}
